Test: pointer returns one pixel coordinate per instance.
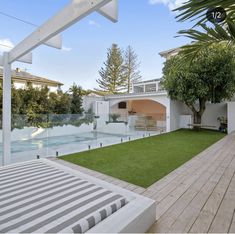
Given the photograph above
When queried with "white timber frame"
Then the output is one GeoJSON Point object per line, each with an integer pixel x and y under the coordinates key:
{"type": "Point", "coordinates": [47, 34]}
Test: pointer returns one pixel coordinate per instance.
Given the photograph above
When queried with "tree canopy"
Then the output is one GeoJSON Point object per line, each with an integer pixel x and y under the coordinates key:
{"type": "Point", "coordinates": [40, 108]}
{"type": "Point", "coordinates": [119, 71]}
{"type": "Point", "coordinates": [131, 65]}
{"type": "Point", "coordinates": [112, 78]}
{"type": "Point", "coordinates": [210, 78]}
{"type": "Point", "coordinates": [205, 35]}
{"type": "Point", "coordinates": [76, 93]}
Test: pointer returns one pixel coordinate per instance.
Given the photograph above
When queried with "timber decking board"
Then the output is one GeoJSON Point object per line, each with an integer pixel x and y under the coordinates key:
{"type": "Point", "coordinates": [200, 195]}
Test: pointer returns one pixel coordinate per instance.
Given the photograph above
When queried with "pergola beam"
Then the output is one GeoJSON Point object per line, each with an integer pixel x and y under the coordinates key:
{"type": "Point", "coordinates": [55, 42]}
{"type": "Point", "coordinates": [71, 14]}
{"type": "Point", "coordinates": [110, 11]}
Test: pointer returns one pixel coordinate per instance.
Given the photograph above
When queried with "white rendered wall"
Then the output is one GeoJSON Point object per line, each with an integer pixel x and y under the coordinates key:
{"type": "Point", "coordinates": [122, 112]}
{"type": "Point", "coordinates": [52, 89]}
{"type": "Point", "coordinates": [212, 113]}
{"type": "Point", "coordinates": [176, 110]}
{"type": "Point", "coordinates": [209, 118]}
{"type": "Point", "coordinates": [29, 132]}
{"type": "Point", "coordinates": [102, 111]}
{"type": "Point", "coordinates": [19, 85]}
{"type": "Point", "coordinates": [101, 108]}
{"type": "Point", "coordinates": [112, 128]}
{"type": "Point", "coordinates": [88, 102]}
{"type": "Point", "coordinates": [231, 117]}
{"type": "Point", "coordinates": [185, 121]}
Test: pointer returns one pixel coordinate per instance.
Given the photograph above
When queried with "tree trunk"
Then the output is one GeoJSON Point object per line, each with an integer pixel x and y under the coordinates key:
{"type": "Point", "coordinates": [197, 115]}
{"type": "Point", "coordinates": [197, 119]}
{"type": "Point", "coordinates": [129, 85]}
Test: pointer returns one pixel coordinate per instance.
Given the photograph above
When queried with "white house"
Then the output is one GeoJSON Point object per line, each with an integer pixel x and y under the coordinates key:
{"type": "Point", "coordinates": [22, 78]}
{"type": "Point", "coordinates": [148, 107]}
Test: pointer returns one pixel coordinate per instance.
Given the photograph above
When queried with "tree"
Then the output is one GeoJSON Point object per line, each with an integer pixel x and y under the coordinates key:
{"type": "Point", "coordinates": [195, 9]}
{"type": "Point", "coordinates": [16, 101]}
{"type": "Point", "coordinates": [34, 100]}
{"type": "Point", "coordinates": [76, 94]}
{"type": "Point", "coordinates": [131, 65]}
{"type": "Point", "coordinates": [40, 108]}
{"type": "Point", "coordinates": [60, 103]}
{"type": "Point", "coordinates": [210, 78]}
{"type": "Point", "coordinates": [112, 80]}
{"type": "Point", "coordinates": [206, 35]}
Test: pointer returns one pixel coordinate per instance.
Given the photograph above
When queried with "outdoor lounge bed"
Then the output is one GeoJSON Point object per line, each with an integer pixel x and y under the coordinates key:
{"type": "Point", "coordinates": [46, 197]}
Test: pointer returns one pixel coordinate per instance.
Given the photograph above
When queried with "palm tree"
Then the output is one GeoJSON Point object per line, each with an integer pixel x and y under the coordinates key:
{"type": "Point", "coordinates": [195, 10]}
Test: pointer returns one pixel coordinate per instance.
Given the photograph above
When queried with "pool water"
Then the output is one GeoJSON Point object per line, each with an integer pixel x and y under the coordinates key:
{"type": "Point", "coordinates": [24, 150]}
{"type": "Point", "coordinates": [58, 141]}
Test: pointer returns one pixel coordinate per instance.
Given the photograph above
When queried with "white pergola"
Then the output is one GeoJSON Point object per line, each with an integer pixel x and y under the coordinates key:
{"type": "Point", "coordinates": [47, 34]}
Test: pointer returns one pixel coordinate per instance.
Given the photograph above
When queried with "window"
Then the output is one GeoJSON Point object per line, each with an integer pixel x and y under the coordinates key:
{"type": "Point", "coordinates": [150, 88]}
{"type": "Point", "coordinates": [122, 105]}
{"type": "Point", "coordinates": [139, 89]}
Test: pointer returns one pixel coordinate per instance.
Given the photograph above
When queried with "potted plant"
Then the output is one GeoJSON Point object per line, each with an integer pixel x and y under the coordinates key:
{"type": "Point", "coordinates": [223, 124]}
{"type": "Point", "coordinates": [114, 117]}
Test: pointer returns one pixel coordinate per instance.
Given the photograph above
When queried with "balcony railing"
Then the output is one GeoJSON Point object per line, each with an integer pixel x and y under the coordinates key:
{"type": "Point", "coordinates": [148, 88]}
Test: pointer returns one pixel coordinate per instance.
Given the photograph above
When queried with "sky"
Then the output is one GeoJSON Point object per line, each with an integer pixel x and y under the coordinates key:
{"type": "Point", "coordinates": [149, 26]}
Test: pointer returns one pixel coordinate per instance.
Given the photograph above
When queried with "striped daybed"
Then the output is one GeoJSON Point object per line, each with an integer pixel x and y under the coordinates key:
{"type": "Point", "coordinates": [45, 197]}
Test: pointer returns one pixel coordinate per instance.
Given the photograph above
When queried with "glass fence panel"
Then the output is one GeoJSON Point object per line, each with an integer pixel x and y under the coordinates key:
{"type": "Point", "coordinates": [25, 144]}
{"type": "Point", "coordinates": [111, 129]}
{"type": "Point", "coordinates": [56, 135]}
{"type": "Point", "coordinates": [70, 134]}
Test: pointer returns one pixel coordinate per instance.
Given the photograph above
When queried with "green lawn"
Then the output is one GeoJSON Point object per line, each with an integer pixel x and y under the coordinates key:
{"type": "Point", "coordinates": [145, 161]}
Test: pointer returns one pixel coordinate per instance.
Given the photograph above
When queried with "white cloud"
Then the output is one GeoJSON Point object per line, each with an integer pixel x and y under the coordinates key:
{"type": "Point", "coordinates": [94, 23]}
{"type": "Point", "coordinates": [5, 45]}
{"type": "Point", "coordinates": [171, 4]}
{"type": "Point", "coordinates": [66, 49]}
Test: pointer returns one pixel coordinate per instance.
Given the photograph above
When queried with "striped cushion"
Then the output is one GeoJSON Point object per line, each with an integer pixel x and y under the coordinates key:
{"type": "Point", "coordinates": [38, 197]}
{"type": "Point", "coordinates": [95, 218]}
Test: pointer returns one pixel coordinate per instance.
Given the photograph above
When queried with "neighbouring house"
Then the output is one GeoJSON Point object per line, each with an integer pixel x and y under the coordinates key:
{"type": "Point", "coordinates": [169, 53]}
{"type": "Point", "coordinates": [149, 107]}
{"type": "Point", "coordinates": [22, 78]}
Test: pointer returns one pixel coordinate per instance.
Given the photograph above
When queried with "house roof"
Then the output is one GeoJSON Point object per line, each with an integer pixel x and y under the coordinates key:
{"type": "Point", "coordinates": [18, 75]}
{"type": "Point", "coordinates": [170, 51]}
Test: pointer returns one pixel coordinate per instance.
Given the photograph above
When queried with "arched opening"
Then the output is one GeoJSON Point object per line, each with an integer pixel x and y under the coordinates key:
{"type": "Point", "coordinates": [141, 115]}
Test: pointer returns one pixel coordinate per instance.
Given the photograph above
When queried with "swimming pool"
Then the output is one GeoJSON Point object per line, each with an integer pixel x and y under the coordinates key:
{"type": "Point", "coordinates": [58, 141]}
{"type": "Point", "coordinates": [23, 150]}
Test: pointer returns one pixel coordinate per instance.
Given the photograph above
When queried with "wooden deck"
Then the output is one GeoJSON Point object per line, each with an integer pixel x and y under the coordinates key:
{"type": "Point", "coordinates": [199, 196]}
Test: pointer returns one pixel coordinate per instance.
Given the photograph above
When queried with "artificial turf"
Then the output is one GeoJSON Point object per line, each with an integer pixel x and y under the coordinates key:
{"type": "Point", "coordinates": [145, 161]}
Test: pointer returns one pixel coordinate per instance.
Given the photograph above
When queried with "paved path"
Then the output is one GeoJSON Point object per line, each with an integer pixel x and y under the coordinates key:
{"type": "Point", "coordinates": [199, 196]}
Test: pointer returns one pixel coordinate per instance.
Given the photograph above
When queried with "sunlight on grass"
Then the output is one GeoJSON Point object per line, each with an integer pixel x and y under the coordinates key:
{"type": "Point", "coordinates": [143, 162]}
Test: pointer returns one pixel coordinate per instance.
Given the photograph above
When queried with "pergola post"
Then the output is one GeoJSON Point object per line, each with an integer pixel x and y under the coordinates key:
{"type": "Point", "coordinates": [47, 34]}
{"type": "Point", "coordinates": [6, 110]}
